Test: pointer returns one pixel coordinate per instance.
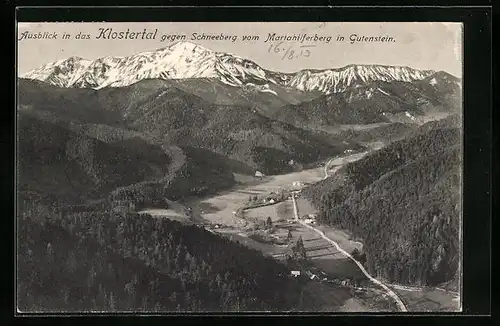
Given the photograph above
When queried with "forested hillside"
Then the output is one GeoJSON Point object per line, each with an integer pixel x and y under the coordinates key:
{"type": "Point", "coordinates": [72, 166]}
{"type": "Point", "coordinates": [403, 201]}
{"type": "Point", "coordinates": [375, 102]}
{"type": "Point", "coordinates": [385, 133]}
{"type": "Point", "coordinates": [102, 261]}
{"type": "Point", "coordinates": [54, 160]}
{"type": "Point", "coordinates": [169, 114]}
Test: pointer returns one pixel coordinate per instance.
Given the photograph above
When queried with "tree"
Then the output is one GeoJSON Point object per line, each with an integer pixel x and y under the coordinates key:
{"type": "Point", "coordinates": [173, 297]}
{"type": "Point", "coordinates": [299, 248]}
{"type": "Point", "coordinates": [112, 301]}
{"type": "Point", "coordinates": [91, 277]}
{"type": "Point", "coordinates": [356, 254]}
{"type": "Point", "coordinates": [269, 222]}
{"type": "Point", "coordinates": [65, 294]}
{"type": "Point", "coordinates": [49, 254]}
{"type": "Point", "coordinates": [289, 236]}
{"type": "Point", "coordinates": [215, 272]}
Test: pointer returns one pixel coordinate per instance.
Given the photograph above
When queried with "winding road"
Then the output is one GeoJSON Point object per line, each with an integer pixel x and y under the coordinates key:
{"type": "Point", "coordinates": [396, 286]}
{"type": "Point", "coordinates": [391, 293]}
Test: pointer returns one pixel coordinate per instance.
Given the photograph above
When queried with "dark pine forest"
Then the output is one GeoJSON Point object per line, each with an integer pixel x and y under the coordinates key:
{"type": "Point", "coordinates": [97, 260]}
{"type": "Point", "coordinates": [403, 202]}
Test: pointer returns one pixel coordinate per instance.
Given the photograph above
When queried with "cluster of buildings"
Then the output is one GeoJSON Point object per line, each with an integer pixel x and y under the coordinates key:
{"type": "Point", "coordinates": [274, 197]}
{"type": "Point", "coordinates": [307, 274]}
{"type": "Point", "coordinates": [259, 174]}
{"type": "Point", "coordinates": [324, 277]}
{"type": "Point", "coordinates": [309, 219]}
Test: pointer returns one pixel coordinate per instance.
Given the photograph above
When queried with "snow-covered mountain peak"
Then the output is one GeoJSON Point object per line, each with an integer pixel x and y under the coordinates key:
{"type": "Point", "coordinates": [188, 46]}
{"type": "Point", "coordinates": [60, 73]}
{"type": "Point", "coordinates": [339, 79]}
{"type": "Point", "coordinates": [189, 60]}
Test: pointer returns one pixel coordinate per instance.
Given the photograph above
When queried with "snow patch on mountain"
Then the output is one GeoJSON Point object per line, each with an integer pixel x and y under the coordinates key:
{"type": "Point", "coordinates": [188, 60]}
{"type": "Point", "coordinates": [62, 73]}
{"type": "Point", "coordinates": [262, 88]}
{"type": "Point", "coordinates": [338, 80]}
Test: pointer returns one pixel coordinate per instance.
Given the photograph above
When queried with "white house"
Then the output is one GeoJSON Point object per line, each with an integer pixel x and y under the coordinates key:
{"type": "Point", "coordinates": [295, 273]}
{"type": "Point", "coordinates": [311, 275]}
{"type": "Point", "coordinates": [271, 201]}
{"type": "Point", "coordinates": [308, 221]}
{"type": "Point", "coordinates": [259, 174]}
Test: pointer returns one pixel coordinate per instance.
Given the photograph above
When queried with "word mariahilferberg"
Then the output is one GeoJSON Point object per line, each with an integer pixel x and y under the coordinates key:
{"type": "Point", "coordinates": [298, 38]}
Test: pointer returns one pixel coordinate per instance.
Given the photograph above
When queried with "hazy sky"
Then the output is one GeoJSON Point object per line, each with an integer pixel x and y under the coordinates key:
{"type": "Point", "coordinates": [436, 46]}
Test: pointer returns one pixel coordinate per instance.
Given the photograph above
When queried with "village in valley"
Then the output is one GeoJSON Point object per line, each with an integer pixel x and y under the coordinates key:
{"type": "Point", "coordinates": [209, 175]}
{"type": "Point", "coordinates": [266, 222]}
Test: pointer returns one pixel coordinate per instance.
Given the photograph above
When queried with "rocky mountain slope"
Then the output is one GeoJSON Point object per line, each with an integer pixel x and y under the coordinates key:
{"type": "Point", "coordinates": [377, 101]}
{"type": "Point", "coordinates": [183, 60]}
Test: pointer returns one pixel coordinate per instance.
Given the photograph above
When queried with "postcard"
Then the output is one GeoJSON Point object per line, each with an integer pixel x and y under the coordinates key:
{"type": "Point", "coordinates": [167, 167]}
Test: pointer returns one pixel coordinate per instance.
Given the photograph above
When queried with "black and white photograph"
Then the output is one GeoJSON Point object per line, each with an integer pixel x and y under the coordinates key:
{"type": "Point", "coordinates": [232, 167]}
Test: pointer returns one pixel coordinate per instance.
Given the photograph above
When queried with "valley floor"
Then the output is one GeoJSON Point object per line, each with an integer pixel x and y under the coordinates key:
{"type": "Point", "coordinates": [218, 214]}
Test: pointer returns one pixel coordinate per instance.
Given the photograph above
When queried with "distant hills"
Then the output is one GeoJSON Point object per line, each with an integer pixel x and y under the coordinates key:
{"type": "Point", "coordinates": [162, 116]}
{"type": "Point", "coordinates": [248, 118]}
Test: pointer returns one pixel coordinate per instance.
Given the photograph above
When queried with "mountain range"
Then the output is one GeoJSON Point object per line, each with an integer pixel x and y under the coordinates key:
{"type": "Point", "coordinates": [202, 109]}
{"type": "Point", "coordinates": [186, 121]}
{"type": "Point", "coordinates": [183, 60]}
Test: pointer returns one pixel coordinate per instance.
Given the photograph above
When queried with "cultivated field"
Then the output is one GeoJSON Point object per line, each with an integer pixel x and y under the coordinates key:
{"type": "Point", "coordinates": [354, 305]}
{"type": "Point", "coordinates": [329, 265]}
{"type": "Point", "coordinates": [326, 297]}
{"type": "Point", "coordinates": [165, 213]}
{"type": "Point", "coordinates": [267, 249]}
{"type": "Point", "coordinates": [429, 300]}
{"type": "Point", "coordinates": [279, 211]}
{"type": "Point", "coordinates": [305, 207]}
{"type": "Point", "coordinates": [339, 128]}
{"type": "Point", "coordinates": [319, 295]}
{"type": "Point", "coordinates": [342, 237]}
{"type": "Point", "coordinates": [223, 205]}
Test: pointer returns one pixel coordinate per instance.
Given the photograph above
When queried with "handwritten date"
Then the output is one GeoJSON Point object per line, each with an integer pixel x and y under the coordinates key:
{"type": "Point", "coordinates": [291, 51]}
